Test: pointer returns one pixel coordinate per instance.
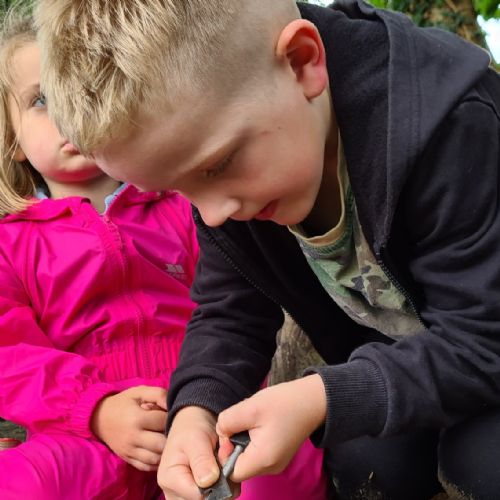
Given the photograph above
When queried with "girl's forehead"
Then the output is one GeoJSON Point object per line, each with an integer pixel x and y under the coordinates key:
{"type": "Point", "coordinates": [25, 66]}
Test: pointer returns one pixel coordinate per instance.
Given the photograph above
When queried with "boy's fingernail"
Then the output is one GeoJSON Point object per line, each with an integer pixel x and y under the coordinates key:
{"type": "Point", "coordinates": [208, 479]}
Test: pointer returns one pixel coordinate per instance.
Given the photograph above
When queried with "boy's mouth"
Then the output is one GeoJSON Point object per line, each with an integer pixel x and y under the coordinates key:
{"type": "Point", "coordinates": [268, 211]}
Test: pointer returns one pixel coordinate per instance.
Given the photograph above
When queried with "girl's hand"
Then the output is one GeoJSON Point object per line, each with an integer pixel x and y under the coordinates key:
{"type": "Point", "coordinates": [132, 424]}
{"type": "Point", "coordinates": [279, 419]}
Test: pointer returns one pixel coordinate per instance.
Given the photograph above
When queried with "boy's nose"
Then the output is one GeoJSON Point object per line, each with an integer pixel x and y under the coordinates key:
{"type": "Point", "coordinates": [216, 212]}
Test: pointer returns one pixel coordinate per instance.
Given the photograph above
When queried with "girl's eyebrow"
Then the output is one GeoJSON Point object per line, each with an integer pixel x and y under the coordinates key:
{"type": "Point", "coordinates": [29, 92]}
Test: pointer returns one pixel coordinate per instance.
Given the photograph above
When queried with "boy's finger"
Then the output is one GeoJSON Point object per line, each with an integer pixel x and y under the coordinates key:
{"type": "Point", "coordinates": [204, 466]}
{"type": "Point", "coordinates": [239, 417]}
{"type": "Point", "coordinates": [225, 449]}
{"type": "Point", "coordinates": [258, 460]}
{"type": "Point", "coordinates": [177, 482]}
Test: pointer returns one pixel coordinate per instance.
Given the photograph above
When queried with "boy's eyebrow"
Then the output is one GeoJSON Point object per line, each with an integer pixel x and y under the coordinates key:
{"type": "Point", "coordinates": [219, 153]}
{"type": "Point", "coordinates": [210, 156]}
{"type": "Point", "coordinates": [214, 155]}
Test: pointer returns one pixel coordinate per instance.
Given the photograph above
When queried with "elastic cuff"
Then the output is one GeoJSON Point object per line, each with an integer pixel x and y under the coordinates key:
{"type": "Point", "coordinates": [85, 406]}
{"type": "Point", "coordinates": [210, 394]}
{"type": "Point", "coordinates": [356, 402]}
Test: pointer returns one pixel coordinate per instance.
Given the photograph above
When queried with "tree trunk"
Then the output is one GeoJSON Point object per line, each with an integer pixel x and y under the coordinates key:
{"type": "Point", "coordinates": [293, 354]}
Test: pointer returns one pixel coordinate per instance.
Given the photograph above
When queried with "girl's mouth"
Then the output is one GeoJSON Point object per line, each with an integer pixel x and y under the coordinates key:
{"type": "Point", "coordinates": [70, 149]}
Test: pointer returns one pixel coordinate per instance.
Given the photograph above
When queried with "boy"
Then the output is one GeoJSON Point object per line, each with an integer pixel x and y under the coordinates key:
{"type": "Point", "coordinates": [344, 167]}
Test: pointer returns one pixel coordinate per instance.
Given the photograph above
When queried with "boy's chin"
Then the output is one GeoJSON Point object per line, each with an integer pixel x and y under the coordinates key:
{"type": "Point", "coordinates": [288, 220]}
{"type": "Point", "coordinates": [295, 218]}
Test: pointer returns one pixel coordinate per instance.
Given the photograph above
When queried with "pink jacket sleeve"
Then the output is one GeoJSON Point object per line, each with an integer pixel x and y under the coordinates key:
{"type": "Point", "coordinates": [41, 387]}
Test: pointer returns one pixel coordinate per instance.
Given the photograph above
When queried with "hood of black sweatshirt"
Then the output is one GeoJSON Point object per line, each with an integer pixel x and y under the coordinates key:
{"type": "Point", "coordinates": [392, 84]}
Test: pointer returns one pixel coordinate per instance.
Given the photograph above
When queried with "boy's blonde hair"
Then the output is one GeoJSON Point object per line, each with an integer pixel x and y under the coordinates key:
{"type": "Point", "coordinates": [105, 61]}
{"type": "Point", "coordinates": [17, 180]}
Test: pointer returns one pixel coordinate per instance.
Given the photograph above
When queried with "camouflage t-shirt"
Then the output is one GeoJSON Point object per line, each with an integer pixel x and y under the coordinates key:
{"type": "Point", "coordinates": [346, 267]}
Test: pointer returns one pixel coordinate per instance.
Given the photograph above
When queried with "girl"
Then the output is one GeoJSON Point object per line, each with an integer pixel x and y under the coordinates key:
{"type": "Point", "coordinates": [94, 299]}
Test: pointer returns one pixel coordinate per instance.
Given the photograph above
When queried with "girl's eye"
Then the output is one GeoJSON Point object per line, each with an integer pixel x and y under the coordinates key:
{"type": "Point", "coordinates": [39, 101]}
{"type": "Point", "coordinates": [219, 169]}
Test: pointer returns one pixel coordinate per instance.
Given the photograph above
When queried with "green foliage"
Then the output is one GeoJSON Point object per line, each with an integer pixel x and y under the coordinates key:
{"type": "Point", "coordinates": [4, 5]}
{"type": "Point", "coordinates": [487, 8]}
{"type": "Point", "coordinates": [445, 14]}
{"type": "Point", "coordinates": [458, 16]}
{"type": "Point", "coordinates": [23, 4]}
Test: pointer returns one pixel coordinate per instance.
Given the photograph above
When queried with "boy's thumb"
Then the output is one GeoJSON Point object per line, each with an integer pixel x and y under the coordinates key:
{"type": "Point", "coordinates": [204, 468]}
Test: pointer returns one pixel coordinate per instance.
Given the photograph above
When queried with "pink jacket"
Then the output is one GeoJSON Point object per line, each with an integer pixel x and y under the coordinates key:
{"type": "Point", "coordinates": [90, 304]}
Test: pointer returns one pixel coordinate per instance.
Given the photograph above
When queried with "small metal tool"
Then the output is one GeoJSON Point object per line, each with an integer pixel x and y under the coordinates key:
{"type": "Point", "coordinates": [221, 490]}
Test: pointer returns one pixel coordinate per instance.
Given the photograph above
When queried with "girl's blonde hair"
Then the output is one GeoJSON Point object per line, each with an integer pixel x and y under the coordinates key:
{"type": "Point", "coordinates": [18, 181]}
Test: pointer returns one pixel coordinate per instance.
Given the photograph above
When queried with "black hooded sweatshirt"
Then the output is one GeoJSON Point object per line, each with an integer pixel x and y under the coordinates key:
{"type": "Point", "coordinates": [418, 113]}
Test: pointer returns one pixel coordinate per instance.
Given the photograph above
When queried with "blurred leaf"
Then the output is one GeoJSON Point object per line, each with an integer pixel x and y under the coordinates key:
{"type": "Point", "coordinates": [487, 8]}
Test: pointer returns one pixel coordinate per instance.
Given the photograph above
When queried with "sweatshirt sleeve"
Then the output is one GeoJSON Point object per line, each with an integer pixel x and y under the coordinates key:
{"type": "Point", "coordinates": [450, 212]}
{"type": "Point", "coordinates": [41, 387]}
{"type": "Point", "coordinates": [230, 340]}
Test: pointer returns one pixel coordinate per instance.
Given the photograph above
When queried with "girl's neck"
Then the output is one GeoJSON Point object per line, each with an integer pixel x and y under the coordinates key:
{"type": "Point", "coordinates": [95, 190]}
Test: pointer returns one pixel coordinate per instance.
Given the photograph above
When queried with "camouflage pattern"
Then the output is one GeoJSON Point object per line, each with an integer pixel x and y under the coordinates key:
{"type": "Point", "coordinates": [348, 270]}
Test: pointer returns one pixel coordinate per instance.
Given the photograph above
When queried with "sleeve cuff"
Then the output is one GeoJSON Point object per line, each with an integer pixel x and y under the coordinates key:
{"type": "Point", "coordinates": [85, 405]}
{"type": "Point", "coordinates": [210, 394]}
{"type": "Point", "coordinates": [356, 402]}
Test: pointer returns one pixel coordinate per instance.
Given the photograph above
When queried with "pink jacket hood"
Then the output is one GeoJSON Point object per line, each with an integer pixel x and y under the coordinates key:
{"type": "Point", "coordinates": [91, 304]}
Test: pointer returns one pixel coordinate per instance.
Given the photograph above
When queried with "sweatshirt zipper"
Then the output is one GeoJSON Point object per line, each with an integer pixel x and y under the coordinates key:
{"type": "Point", "coordinates": [378, 256]}
{"type": "Point", "coordinates": [398, 285]}
{"type": "Point", "coordinates": [233, 264]}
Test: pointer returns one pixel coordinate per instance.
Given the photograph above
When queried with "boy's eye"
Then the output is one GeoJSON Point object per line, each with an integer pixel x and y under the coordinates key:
{"type": "Point", "coordinates": [219, 169]}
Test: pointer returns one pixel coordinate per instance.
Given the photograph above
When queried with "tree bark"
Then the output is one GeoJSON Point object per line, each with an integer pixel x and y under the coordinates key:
{"type": "Point", "coordinates": [293, 354]}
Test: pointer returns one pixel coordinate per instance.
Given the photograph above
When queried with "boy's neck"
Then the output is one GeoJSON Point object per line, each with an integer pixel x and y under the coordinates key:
{"type": "Point", "coordinates": [327, 208]}
{"type": "Point", "coordinates": [95, 190]}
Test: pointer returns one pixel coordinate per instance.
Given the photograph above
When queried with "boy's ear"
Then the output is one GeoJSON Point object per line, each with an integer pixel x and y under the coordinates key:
{"type": "Point", "coordinates": [300, 44]}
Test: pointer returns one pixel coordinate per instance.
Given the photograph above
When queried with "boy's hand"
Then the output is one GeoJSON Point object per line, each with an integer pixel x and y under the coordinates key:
{"type": "Point", "coordinates": [132, 424]}
{"type": "Point", "coordinates": [188, 460]}
{"type": "Point", "coordinates": [279, 419]}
